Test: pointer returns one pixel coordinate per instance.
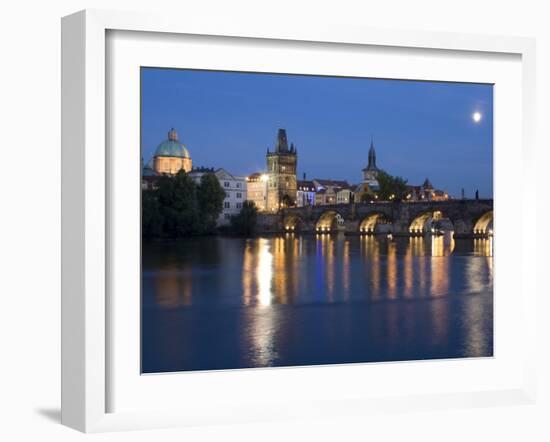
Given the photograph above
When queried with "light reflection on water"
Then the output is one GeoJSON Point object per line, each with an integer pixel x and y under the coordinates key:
{"type": "Point", "coordinates": [211, 303]}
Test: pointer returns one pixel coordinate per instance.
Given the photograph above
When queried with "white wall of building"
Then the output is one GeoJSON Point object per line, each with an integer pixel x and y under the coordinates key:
{"type": "Point", "coordinates": [256, 190]}
{"type": "Point", "coordinates": [235, 193]}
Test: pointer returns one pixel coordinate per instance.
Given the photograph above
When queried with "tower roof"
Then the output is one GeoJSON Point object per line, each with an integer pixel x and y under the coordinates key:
{"type": "Point", "coordinates": [372, 157]}
{"type": "Point", "coordinates": [281, 144]}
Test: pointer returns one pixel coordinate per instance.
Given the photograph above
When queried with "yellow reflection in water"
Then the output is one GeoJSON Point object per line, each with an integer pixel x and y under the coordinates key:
{"type": "Point", "coordinates": [438, 248]}
{"type": "Point", "coordinates": [173, 289]}
{"type": "Point", "coordinates": [474, 275]}
{"type": "Point", "coordinates": [327, 251]}
{"type": "Point", "coordinates": [370, 250]}
{"type": "Point", "coordinates": [346, 270]}
{"type": "Point", "coordinates": [476, 338]}
{"type": "Point", "coordinates": [258, 280]}
{"type": "Point", "coordinates": [483, 247]}
{"type": "Point", "coordinates": [442, 245]}
{"type": "Point", "coordinates": [392, 270]}
{"type": "Point", "coordinates": [257, 272]}
{"type": "Point", "coordinates": [419, 246]}
{"type": "Point", "coordinates": [408, 274]}
{"type": "Point", "coordinates": [294, 266]}
{"type": "Point", "coordinates": [263, 329]}
{"type": "Point", "coordinates": [416, 246]}
{"type": "Point", "coordinates": [264, 272]}
{"type": "Point", "coordinates": [249, 275]}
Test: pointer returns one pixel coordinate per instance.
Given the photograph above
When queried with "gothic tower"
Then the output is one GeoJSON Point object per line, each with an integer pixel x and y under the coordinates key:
{"type": "Point", "coordinates": [370, 173]}
{"type": "Point", "coordinates": [281, 172]}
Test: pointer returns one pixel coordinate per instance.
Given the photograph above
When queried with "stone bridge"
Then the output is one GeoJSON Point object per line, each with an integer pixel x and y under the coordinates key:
{"type": "Point", "coordinates": [466, 217]}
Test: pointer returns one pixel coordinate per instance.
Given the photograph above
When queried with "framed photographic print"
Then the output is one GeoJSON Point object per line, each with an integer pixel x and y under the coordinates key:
{"type": "Point", "coordinates": [267, 223]}
{"type": "Point", "coordinates": [250, 263]}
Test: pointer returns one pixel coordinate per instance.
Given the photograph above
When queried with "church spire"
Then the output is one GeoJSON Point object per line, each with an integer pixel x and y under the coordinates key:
{"type": "Point", "coordinates": [372, 156]}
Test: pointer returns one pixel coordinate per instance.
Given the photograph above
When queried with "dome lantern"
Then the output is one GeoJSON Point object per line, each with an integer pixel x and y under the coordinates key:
{"type": "Point", "coordinates": [173, 135]}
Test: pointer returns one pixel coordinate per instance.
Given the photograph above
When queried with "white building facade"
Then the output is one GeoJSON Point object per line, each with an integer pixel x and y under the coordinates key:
{"type": "Point", "coordinates": [235, 192]}
{"type": "Point", "coordinates": [256, 190]}
{"type": "Point", "coordinates": [345, 195]}
{"type": "Point", "coordinates": [305, 193]}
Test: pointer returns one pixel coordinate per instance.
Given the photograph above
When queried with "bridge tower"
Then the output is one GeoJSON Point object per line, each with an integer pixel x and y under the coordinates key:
{"type": "Point", "coordinates": [281, 172]}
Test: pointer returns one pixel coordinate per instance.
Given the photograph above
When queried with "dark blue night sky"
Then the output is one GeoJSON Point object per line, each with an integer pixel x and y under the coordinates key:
{"type": "Point", "coordinates": [420, 129]}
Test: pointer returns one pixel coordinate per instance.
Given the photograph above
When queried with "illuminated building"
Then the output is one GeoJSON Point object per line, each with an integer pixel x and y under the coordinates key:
{"type": "Point", "coordinates": [281, 173]}
{"type": "Point", "coordinates": [171, 156]}
{"type": "Point", "coordinates": [327, 191]}
{"type": "Point", "coordinates": [305, 193]}
{"type": "Point", "coordinates": [256, 190]}
{"type": "Point", "coordinates": [426, 192]}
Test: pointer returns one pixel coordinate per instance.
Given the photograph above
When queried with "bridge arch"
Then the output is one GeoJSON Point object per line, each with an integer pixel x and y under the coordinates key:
{"type": "Point", "coordinates": [329, 221]}
{"type": "Point", "coordinates": [369, 223]}
{"type": "Point", "coordinates": [424, 221]}
{"type": "Point", "coordinates": [484, 224]}
{"type": "Point", "coordinates": [293, 222]}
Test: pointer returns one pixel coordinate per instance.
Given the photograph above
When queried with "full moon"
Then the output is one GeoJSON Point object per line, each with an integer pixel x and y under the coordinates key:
{"type": "Point", "coordinates": [476, 116]}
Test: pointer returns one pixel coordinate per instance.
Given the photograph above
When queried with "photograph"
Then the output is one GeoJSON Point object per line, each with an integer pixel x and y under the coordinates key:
{"type": "Point", "coordinates": [302, 220]}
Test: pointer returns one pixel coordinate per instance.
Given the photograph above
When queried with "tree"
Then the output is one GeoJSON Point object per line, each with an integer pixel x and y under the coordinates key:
{"type": "Point", "coordinates": [367, 197]}
{"type": "Point", "coordinates": [151, 219]}
{"type": "Point", "coordinates": [177, 198]}
{"type": "Point", "coordinates": [391, 187]}
{"type": "Point", "coordinates": [287, 201]}
{"type": "Point", "coordinates": [245, 222]}
{"type": "Point", "coordinates": [210, 196]}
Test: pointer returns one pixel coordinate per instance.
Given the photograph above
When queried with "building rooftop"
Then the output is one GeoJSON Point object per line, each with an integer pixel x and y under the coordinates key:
{"type": "Point", "coordinates": [256, 176]}
{"type": "Point", "coordinates": [305, 185]}
{"type": "Point", "coordinates": [203, 169]}
{"type": "Point", "coordinates": [331, 183]}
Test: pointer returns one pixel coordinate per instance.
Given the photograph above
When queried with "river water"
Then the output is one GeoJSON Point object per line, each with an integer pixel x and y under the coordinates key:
{"type": "Point", "coordinates": [221, 303]}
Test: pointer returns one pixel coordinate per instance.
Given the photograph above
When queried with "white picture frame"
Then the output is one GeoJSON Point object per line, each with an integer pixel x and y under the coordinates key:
{"type": "Point", "coordinates": [86, 355]}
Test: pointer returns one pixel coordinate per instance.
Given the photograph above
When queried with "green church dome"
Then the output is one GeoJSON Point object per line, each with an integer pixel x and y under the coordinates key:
{"type": "Point", "coordinates": [172, 147]}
